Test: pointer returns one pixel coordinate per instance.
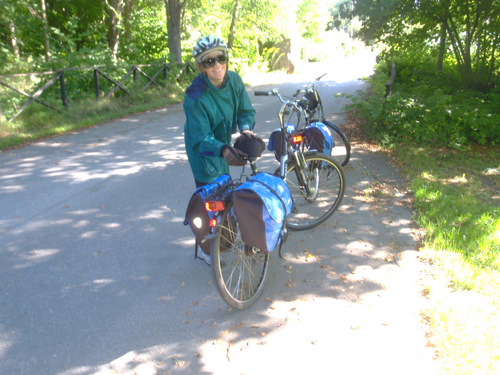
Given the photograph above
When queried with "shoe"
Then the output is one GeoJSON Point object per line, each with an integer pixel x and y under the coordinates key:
{"type": "Point", "coordinates": [204, 256]}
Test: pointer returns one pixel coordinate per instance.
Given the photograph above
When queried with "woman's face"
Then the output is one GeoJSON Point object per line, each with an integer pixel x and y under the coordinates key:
{"type": "Point", "coordinates": [217, 72]}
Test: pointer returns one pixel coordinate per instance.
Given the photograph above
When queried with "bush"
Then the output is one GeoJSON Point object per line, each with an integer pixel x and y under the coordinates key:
{"type": "Point", "coordinates": [428, 111]}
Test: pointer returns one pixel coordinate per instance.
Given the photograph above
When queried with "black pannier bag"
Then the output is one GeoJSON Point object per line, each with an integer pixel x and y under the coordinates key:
{"type": "Point", "coordinates": [276, 141]}
{"type": "Point", "coordinates": [197, 215]}
{"type": "Point", "coordinates": [261, 206]}
{"type": "Point", "coordinates": [319, 138]}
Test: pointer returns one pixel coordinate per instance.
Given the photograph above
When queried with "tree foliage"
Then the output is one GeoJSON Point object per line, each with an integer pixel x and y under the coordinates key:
{"type": "Point", "coordinates": [469, 29]}
{"type": "Point", "coordinates": [46, 34]}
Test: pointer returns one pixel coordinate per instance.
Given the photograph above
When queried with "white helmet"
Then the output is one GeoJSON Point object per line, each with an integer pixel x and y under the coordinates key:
{"type": "Point", "coordinates": [206, 45]}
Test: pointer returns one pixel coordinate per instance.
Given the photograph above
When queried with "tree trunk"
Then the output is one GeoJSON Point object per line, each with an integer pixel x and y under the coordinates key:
{"type": "Point", "coordinates": [13, 40]}
{"type": "Point", "coordinates": [127, 14]}
{"type": "Point", "coordinates": [442, 47]}
{"type": "Point", "coordinates": [232, 29]}
{"type": "Point", "coordinates": [174, 26]}
{"type": "Point", "coordinates": [115, 9]}
{"type": "Point", "coordinates": [46, 46]}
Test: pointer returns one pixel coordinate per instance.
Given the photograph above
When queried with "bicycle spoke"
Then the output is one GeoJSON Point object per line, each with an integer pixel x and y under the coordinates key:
{"type": "Point", "coordinates": [240, 273]}
{"type": "Point", "coordinates": [326, 190]}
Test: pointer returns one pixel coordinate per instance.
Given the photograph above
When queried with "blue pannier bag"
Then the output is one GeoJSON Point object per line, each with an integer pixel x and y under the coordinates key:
{"type": "Point", "coordinates": [197, 215]}
{"type": "Point", "coordinates": [261, 206]}
{"type": "Point", "coordinates": [276, 141]}
{"type": "Point", "coordinates": [319, 138]}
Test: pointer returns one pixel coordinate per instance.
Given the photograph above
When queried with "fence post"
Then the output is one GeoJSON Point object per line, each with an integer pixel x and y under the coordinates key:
{"type": "Point", "coordinates": [63, 89]}
{"type": "Point", "coordinates": [96, 83]}
{"type": "Point", "coordinates": [390, 82]}
{"type": "Point", "coordinates": [135, 73]}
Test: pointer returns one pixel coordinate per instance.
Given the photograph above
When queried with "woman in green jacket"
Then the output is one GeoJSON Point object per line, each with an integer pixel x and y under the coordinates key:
{"type": "Point", "coordinates": [216, 106]}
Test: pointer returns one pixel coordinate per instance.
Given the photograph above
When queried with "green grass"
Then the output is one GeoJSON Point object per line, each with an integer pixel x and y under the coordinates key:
{"type": "Point", "coordinates": [38, 122]}
{"type": "Point", "coordinates": [457, 204]}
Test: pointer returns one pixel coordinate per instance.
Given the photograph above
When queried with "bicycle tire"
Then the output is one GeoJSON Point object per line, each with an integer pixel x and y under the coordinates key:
{"type": "Point", "coordinates": [327, 177]}
{"type": "Point", "coordinates": [342, 149]}
{"type": "Point", "coordinates": [240, 272]}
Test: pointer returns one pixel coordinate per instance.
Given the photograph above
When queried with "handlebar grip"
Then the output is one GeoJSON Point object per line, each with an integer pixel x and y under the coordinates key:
{"type": "Point", "coordinates": [321, 76]}
{"type": "Point", "coordinates": [263, 93]}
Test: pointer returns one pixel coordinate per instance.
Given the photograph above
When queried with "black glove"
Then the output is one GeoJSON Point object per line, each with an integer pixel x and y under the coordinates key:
{"type": "Point", "coordinates": [233, 157]}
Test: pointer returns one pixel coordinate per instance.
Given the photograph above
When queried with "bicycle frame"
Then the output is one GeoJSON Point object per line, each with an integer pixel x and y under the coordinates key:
{"type": "Point", "coordinates": [293, 151]}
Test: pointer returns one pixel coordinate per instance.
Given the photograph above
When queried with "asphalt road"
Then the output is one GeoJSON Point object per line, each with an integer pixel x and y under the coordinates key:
{"type": "Point", "coordinates": [97, 274]}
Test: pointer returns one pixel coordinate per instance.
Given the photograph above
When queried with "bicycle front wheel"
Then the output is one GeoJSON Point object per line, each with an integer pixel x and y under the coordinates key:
{"type": "Point", "coordinates": [342, 147]}
{"type": "Point", "coordinates": [240, 272]}
{"type": "Point", "coordinates": [317, 187]}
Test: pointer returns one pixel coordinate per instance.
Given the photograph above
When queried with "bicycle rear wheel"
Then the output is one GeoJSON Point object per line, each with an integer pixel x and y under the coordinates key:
{"type": "Point", "coordinates": [342, 149]}
{"type": "Point", "coordinates": [317, 189]}
{"type": "Point", "coordinates": [240, 272]}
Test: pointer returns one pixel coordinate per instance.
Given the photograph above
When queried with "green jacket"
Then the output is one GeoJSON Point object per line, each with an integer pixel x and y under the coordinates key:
{"type": "Point", "coordinates": [212, 116]}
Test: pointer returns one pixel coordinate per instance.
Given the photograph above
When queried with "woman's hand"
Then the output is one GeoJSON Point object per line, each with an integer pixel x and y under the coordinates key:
{"type": "Point", "coordinates": [233, 156]}
{"type": "Point", "coordinates": [247, 132]}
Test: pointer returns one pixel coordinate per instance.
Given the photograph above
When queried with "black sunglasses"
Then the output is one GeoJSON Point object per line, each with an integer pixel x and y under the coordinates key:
{"type": "Point", "coordinates": [208, 63]}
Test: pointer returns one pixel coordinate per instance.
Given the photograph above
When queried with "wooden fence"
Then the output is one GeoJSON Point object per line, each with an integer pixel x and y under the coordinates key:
{"type": "Point", "coordinates": [60, 74]}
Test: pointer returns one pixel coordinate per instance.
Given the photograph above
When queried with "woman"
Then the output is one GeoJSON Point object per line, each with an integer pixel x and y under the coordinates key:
{"type": "Point", "coordinates": [216, 106]}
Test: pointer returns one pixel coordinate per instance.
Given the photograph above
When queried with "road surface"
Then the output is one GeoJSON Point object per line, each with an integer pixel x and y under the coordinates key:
{"type": "Point", "coordinates": [97, 274]}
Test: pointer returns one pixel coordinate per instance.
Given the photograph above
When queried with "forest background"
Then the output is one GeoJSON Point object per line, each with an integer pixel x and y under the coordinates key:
{"type": "Point", "coordinates": [441, 122]}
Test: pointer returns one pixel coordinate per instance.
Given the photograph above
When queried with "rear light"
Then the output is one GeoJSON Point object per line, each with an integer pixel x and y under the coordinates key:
{"type": "Point", "coordinates": [213, 223]}
{"type": "Point", "coordinates": [296, 139]}
{"type": "Point", "coordinates": [214, 206]}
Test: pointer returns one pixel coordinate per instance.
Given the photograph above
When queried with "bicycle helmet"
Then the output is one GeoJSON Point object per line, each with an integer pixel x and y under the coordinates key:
{"type": "Point", "coordinates": [206, 45]}
{"type": "Point", "coordinates": [250, 144]}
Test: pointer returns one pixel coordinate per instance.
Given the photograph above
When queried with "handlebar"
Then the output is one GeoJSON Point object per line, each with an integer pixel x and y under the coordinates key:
{"type": "Point", "coordinates": [264, 93]}
{"type": "Point", "coordinates": [273, 92]}
{"type": "Point", "coordinates": [321, 76]}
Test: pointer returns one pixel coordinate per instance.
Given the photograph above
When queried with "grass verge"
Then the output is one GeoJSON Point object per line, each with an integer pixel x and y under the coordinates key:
{"type": "Point", "coordinates": [457, 205]}
{"type": "Point", "coordinates": [37, 122]}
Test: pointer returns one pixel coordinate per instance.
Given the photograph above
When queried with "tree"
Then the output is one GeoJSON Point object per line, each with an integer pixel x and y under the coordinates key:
{"type": "Point", "coordinates": [115, 9]}
{"type": "Point", "coordinates": [46, 45]}
{"type": "Point", "coordinates": [232, 28]}
{"type": "Point", "coordinates": [13, 38]}
{"type": "Point", "coordinates": [174, 9]}
{"type": "Point", "coordinates": [471, 27]}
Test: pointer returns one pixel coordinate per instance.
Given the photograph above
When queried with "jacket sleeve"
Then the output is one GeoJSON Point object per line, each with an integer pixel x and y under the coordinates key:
{"type": "Point", "coordinates": [246, 112]}
{"type": "Point", "coordinates": [200, 132]}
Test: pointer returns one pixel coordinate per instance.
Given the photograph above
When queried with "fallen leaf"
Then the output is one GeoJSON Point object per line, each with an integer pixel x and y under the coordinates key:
{"type": "Point", "coordinates": [180, 364]}
{"type": "Point", "coordinates": [183, 283]}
